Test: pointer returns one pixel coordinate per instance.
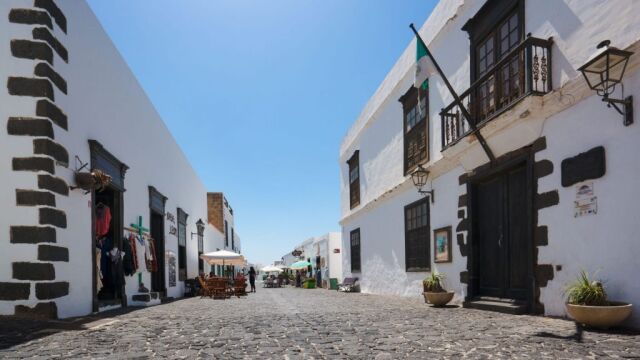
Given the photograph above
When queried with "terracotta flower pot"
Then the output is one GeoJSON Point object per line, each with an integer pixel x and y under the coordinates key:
{"type": "Point", "coordinates": [85, 180]}
{"type": "Point", "coordinates": [602, 317]}
{"type": "Point", "coordinates": [438, 298]}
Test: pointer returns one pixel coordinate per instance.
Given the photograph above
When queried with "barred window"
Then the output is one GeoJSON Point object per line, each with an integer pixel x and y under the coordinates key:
{"type": "Point", "coordinates": [417, 236]}
{"type": "Point", "coordinates": [355, 250]}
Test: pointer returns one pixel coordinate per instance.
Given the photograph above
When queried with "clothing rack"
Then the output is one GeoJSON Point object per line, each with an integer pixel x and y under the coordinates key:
{"type": "Point", "coordinates": [136, 232]}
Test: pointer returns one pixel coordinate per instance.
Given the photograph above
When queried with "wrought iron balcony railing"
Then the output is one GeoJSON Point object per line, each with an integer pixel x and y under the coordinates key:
{"type": "Point", "coordinates": [523, 71]}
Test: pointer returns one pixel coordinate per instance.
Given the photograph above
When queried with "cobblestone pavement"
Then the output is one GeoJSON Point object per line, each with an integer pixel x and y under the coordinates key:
{"type": "Point", "coordinates": [295, 323]}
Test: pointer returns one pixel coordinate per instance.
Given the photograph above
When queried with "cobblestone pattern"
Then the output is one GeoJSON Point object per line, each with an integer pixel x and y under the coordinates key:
{"type": "Point", "coordinates": [296, 323]}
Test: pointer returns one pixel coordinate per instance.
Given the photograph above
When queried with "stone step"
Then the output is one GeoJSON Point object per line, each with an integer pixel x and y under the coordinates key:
{"type": "Point", "coordinates": [145, 299]}
{"type": "Point", "coordinates": [507, 307]}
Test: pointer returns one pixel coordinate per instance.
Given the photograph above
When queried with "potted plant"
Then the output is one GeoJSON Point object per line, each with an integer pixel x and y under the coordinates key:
{"type": "Point", "coordinates": [96, 179]}
{"type": "Point", "coordinates": [587, 304]}
{"type": "Point", "coordinates": [434, 292]}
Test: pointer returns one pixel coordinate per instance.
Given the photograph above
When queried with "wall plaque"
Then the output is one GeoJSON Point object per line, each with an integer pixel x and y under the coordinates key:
{"type": "Point", "coordinates": [584, 166]}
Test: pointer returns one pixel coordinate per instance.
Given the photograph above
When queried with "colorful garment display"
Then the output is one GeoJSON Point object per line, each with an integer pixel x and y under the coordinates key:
{"type": "Point", "coordinates": [150, 255]}
{"type": "Point", "coordinates": [130, 260]}
{"type": "Point", "coordinates": [103, 220]}
{"type": "Point", "coordinates": [98, 272]}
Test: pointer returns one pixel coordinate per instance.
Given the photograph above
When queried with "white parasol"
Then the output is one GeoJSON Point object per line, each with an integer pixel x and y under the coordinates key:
{"type": "Point", "coordinates": [223, 257]}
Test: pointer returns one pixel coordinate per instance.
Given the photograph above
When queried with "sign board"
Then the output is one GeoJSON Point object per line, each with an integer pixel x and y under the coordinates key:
{"type": "Point", "coordinates": [586, 202]}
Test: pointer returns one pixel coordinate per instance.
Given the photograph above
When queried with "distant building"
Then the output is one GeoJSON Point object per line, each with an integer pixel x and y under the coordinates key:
{"type": "Point", "coordinates": [323, 252]}
{"type": "Point", "coordinates": [220, 216]}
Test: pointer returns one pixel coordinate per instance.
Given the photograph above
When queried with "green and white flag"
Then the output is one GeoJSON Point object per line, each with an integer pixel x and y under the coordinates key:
{"type": "Point", "coordinates": [424, 66]}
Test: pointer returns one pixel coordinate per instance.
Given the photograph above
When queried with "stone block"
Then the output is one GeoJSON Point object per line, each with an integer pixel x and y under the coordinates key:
{"type": "Point", "coordinates": [32, 234]}
{"type": "Point", "coordinates": [52, 290]}
{"type": "Point", "coordinates": [34, 50]}
{"type": "Point", "coordinates": [51, 216]}
{"type": "Point", "coordinates": [50, 148]}
{"type": "Point", "coordinates": [30, 127]}
{"type": "Point", "coordinates": [54, 184]}
{"type": "Point", "coordinates": [53, 253]}
{"type": "Point", "coordinates": [11, 291]}
{"type": "Point", "coordinates": [33, 164]}
{"type": "Point", "coordinates": [33, 271]}
{"type": "Point", "coordinates": [34, 198]}
{"type": "Point", "coordinates": [35, 87]}
{"type": "Point", "coordinates": [30, 17]}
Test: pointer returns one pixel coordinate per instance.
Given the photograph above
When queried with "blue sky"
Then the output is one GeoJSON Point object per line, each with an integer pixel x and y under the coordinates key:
{"type": "Point", "coordinates": [259, 95]}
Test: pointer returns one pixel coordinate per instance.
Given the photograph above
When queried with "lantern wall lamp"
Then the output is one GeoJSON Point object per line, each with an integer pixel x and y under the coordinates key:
{"type": "Point", "coordinates": [604, 71]}
{"type": "Point", "coordinates": [199, 225]}
{"type": "Point", "coordinates": [419, 178]}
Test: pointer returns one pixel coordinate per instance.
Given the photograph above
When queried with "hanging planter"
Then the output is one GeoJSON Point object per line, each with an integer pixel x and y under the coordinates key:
{"type": "Point", "coordinates": [95, 180]}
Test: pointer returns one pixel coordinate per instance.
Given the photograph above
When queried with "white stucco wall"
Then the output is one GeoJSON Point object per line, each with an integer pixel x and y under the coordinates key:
{"type": "Point", "coordinates": [105, 103]}
{"type": "Point", "coordinates": [604, 242]}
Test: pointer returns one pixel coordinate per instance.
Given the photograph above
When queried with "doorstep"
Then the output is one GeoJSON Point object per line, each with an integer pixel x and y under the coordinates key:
{"type": "Point", "coordinates": [506, 306]}
{"type": "Point", "coordinates": [145, 299]}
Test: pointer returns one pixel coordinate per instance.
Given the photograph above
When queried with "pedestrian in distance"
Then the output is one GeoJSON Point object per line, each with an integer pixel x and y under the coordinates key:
{"type": "Point", "coordinates": [252, 279]}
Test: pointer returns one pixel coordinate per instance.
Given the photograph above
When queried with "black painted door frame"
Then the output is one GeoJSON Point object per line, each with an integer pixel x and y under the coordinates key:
{"type": "Point", "coordinates": [103, 160]}
{"type": "Point", "coordinates": [525, 158]}
{"type": "Point", "coordinates": [157, 203]}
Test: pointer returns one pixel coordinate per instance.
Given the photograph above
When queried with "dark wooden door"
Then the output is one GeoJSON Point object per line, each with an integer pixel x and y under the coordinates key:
{"type": "Point", "coordinates": [501, 225]}
{"type": "Point", "coordinates": [489, 213]}
{"type": "Point", "coordinates": [157, 233]}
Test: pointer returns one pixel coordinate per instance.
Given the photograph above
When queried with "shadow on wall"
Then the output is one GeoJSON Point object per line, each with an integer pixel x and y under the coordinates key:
{"type": "Point", "coordinates": [561, 23]}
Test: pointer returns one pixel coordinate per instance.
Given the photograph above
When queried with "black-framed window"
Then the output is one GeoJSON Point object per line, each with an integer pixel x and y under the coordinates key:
{"type": "Point", "coordinates": [200, 248]}
{"type": "Point", "coordinates": [233, 240]}
{"type": "Point", "coordinates": [417, 236]}
{"type": "Point", "coordinates": [182, 245]}
{"type": "Point", "coordinates": [354, 179]}
{"type": "Point", "coordinates": [354, 238]}
{"type": "Point", "coordinates": [226, 233]}
{"type": "Point", "coordinates": [415, 105]}
{"type": "Point", "coordinates": [495, 30]}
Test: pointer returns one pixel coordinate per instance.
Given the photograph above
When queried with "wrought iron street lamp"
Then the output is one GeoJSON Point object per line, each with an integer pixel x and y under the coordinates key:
{"type": "Point", "coordinates": [199, 226]}
{"type": "Point", "coordinates": [604, 71]}
{"type": "Point", "coordinates": [419, 178]}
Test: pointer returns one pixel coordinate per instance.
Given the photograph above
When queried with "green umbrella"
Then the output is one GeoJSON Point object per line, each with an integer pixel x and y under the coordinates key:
{"type": "Point", "coordinates": [300, 265]}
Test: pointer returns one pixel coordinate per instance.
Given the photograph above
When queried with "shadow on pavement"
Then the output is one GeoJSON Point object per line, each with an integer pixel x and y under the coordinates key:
{"type": "Point", "coordinates": [18, 330]}
{"type": "Point", "coordinates": [577, 336]}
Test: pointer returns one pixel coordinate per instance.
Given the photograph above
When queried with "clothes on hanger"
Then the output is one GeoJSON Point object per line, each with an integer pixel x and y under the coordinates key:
{"type": "Point", "coordinates": [98, 272]}
{"type": "Point", "coordinates": [103, 220]}
{"type": "Point", "coordinates": [150, 255]}
{"type": "Point", "coordinates": [130, 260]}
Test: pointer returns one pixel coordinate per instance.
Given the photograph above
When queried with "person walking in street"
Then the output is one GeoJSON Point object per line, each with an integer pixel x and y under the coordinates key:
{"type": "Point", "coordinates": [252, 279]}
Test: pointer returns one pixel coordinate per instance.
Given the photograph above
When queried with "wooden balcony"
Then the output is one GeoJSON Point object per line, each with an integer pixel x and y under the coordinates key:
{"type": "Point", "coordinates": [524, 71]}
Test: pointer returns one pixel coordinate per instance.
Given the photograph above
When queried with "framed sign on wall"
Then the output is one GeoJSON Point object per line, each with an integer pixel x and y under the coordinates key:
{"type": "Point", "coordinates": [442, 245]}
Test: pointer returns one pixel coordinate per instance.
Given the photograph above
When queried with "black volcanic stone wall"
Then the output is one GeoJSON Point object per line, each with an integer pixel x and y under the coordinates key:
{"type": "Point", "coordinates": [47, 154]}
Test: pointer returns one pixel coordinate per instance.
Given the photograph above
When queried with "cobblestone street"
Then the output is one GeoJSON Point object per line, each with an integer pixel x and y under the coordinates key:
{"type": "Point", "coordinates": [295, 323]}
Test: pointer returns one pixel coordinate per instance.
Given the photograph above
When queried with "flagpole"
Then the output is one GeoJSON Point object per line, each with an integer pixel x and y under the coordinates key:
{"type": "Point", "coordinates": [456, 98]}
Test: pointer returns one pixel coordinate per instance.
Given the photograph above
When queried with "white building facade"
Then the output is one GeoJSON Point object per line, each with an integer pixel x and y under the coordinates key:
{"type": "Point", "coordinates": [560, 194]}
{"type": "Point", "coordinates": [72, 105]}
{"type": "Point", "coordinates": [323, 252]}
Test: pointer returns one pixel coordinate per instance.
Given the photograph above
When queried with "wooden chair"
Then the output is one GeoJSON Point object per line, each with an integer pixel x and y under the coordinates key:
{"type": "Point", "coordinates": [218, 288]}
{"type": "Point", "coordinates": [240, 288]}
{"type": "Point", "coordinates": [205, 290]}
